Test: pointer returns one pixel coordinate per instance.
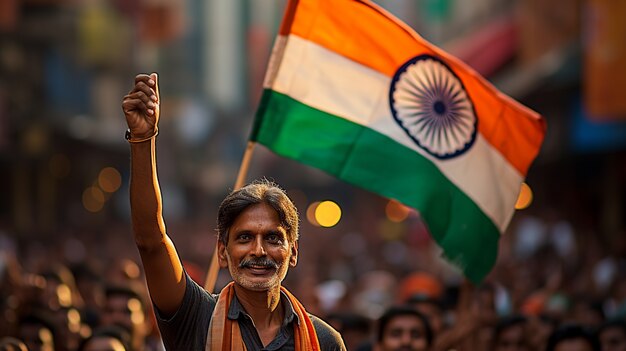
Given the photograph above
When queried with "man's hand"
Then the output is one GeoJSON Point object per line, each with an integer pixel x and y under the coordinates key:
{"type": "Point", "coordinates": [142, 106]}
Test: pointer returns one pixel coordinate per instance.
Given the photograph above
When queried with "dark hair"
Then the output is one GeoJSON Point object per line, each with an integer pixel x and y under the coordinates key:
{"type": "Point", "coordinates": [508, 322]}
{"type": "Point", "coordinates": [114, 332]}
{"type": "Point", "coordinates": [569, 332]}
{"type": "Point", "coordinates": [397, 311]}
{"type": "Point", "coordinates": [124, 290]}
{"type": "Point", "coordinates": [260, 191]}
{"type": "Point", "coordinates": [504, 324]}
{"type": "Point", "coordinates": [416, 299]}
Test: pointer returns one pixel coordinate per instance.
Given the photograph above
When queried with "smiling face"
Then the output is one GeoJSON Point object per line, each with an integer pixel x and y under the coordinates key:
{"type": "Point", "coordinates": [257, 251]}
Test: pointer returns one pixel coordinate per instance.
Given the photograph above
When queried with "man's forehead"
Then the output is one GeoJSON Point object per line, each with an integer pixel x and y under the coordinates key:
{"type": "Point", "coordinates": [405, 322]}
{"type": "Point", "coordinates": [255, 212]}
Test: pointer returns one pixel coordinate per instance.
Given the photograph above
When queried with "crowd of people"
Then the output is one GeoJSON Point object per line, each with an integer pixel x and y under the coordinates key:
{"type": "Point", "coordinates": [538, 298]}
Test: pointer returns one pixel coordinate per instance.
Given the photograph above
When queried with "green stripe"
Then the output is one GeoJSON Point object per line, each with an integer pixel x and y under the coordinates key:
{"type": "Point", "coordinates": [368, 159]}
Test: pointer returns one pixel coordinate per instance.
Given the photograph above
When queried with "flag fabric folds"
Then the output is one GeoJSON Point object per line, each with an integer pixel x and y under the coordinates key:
{"type": "Point", "coordinates": [355, 92]}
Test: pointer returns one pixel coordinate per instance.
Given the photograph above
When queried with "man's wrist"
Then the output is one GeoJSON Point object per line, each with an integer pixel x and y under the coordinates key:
{"type": "Point", "coordinates": [132, 139]}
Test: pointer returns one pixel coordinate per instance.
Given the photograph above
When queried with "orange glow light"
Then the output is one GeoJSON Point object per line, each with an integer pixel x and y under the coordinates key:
{"type": "Point", "coordinates": [525, 197]}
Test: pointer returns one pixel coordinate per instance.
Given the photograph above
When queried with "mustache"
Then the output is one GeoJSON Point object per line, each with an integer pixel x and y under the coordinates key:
{"type": "Point", "coordinates": [264, 262]}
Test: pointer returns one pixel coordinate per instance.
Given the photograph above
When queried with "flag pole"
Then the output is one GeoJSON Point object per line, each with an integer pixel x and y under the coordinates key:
{"type": "Point", "coordinates": [211, 276]}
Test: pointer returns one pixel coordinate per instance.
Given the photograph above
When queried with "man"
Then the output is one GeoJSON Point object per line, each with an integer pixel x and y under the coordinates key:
{"type": "Point", "coordinates": [510, 334]}
{"type": "Point", "coordinates": [572, 337]}
{"type": "Point", "coordinates": [424, 292]}
{"type": "Point", "coordinates": [612, 335]}
{"type": "Point", "coordinates": [123, 307]}
{"type": "Point", "coordinates": [403, 329]}
{"type": "Point", "coordinates": [110, 338]}
{"type": "Point", "coordinates": [257, 242]}
{"type": "Point", "coordinates": [38, 332]}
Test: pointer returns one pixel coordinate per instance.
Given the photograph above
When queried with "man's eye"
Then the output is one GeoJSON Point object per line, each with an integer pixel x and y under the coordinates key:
{"type": "Point", "coordinates": [274, 238]}
{"type": "Point", "coordinates": [244, 237]}
{"type": "Point", "coordinates": [395, 333]}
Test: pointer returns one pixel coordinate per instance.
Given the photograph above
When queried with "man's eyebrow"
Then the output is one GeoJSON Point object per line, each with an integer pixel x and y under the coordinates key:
{"type": "Point", "coordinates": [279, 230]}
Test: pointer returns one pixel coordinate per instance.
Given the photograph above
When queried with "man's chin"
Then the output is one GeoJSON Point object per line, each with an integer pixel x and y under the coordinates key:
{"type": "Point", "coordinates": [258, 284]}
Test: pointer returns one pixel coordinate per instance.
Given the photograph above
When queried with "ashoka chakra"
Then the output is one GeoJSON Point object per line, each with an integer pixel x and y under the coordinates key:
{"type": "Point", "coordinates": [430, 103]}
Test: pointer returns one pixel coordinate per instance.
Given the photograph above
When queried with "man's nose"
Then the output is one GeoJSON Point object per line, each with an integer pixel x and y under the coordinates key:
{"type": "Point", "coordinates": [258, 249]}
{"type": "Point", "coordinates": [406, 339]}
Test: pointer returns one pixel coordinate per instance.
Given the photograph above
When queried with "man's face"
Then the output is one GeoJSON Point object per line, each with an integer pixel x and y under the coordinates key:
{"type": "Point", "coordinates": [404, 333]}
{"type": "Point", "coordinates": [37, 337]}
{"type": "Point", "coordinates": [512, 338]}
{"type": "Point", "coordinates": [578, 344]}
{"type": "Point", "coordinates": [258, 253]}
{"type": "Point", "coordinates": [613, 339]}
{"type": "Point", "coordinates": [124, 311]}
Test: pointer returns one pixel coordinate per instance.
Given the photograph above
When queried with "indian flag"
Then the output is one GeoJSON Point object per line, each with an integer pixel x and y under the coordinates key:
{"type": "Point", "coordinates": [355, 92]}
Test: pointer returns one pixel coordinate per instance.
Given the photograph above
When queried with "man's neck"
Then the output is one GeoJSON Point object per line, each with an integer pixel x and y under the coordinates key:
{"type": "Point", "coordinates": [263, 306]}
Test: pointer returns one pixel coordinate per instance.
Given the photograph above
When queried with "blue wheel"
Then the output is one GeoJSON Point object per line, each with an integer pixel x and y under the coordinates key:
{"type": "Point", "coordinates": [431, 105]}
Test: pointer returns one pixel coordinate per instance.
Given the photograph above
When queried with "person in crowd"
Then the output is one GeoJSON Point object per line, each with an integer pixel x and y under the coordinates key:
{"type": "Point", "coordinates": [38, 332]}
{"type": "Point", "coordinates": [353, 327]}
{"type": "Point", "coordinates": [124, 307]}
{"type": "Point", "coordinates": [510, 334]}
{"type": "Point", "coordinates": [431, 308]}
{"type": "Point", "coordinates": [107, 338]}
{"type": "Point", "coordinates": [586, 311]}
{"type": "Point", "coordinates": [68, 324]}
{"type": "Point", "coordinates": [90, 284]}
{"type": "Point", "coordinates": [539, 330]}
{"type": "Point", "coordinates": [403, 328]}
{"type": "Point", "coordinates": [60, 288]}
{"type": "Point", "coordinates": [257, 241]}
{"type": "Point", "coordinates": [572, 337]}
{"type": "Point", "coordinates": [424, 292]}
{"type": "Point", "coordinates": [612, 335]}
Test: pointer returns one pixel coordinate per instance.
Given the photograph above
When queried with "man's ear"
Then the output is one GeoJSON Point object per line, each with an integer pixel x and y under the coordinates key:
{"type": "Point", "coordinates": [221, 254]}
{"type": "Point", "coordinates": [293, 259]}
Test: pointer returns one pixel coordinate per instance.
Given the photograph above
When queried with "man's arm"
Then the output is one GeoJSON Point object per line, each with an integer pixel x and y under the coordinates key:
{"type": "Point", "coordinates": [164, 272]}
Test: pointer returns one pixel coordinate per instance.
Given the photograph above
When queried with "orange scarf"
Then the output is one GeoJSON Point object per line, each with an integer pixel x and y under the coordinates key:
{"type": "Point", "coordinates": [224, 334]}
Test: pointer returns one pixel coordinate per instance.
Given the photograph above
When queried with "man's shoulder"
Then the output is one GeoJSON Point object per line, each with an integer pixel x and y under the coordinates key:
{"type": "Point", "coordinates": [328, 337]}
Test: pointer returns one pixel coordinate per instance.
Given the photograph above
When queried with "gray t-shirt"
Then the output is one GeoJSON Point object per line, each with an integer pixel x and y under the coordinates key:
{"type": "Point", "coordinates": [187, 328]}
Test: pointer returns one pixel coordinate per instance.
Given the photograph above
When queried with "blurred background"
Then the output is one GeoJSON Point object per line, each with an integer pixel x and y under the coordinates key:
{"type": "Point", "coordinates": [66, 64]}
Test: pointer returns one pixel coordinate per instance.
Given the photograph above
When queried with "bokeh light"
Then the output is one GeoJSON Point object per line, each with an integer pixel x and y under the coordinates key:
{"type": "Point", "coordinates": [327, 214]}
{"type": "Point", "coordinates": [93, 199]}
{"type": "Point", "coordinates": [525, 197]}
{"type": "Point", "coordinates": [396, 212]}
{"type": "Point", "coordinates": [310, 213]}
{"type": "Point", "coordinates": [64, 294]}
{"type": "Point", "coordinates": [109, 179]}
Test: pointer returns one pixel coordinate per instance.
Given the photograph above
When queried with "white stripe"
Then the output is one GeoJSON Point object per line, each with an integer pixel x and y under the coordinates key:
{"type": "Point", "coordinates": [334, 84]}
